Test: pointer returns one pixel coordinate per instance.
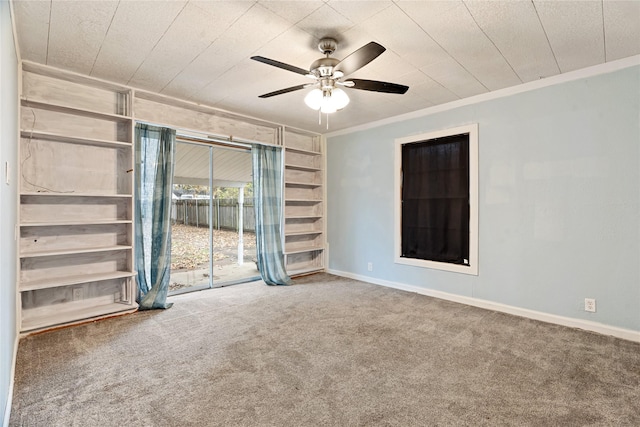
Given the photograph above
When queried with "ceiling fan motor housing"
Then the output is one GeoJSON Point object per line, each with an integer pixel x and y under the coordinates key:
{"type": "Point", "coordinates": [323, 67]}
{"type": "Point", "coordinates": [327, 84]}
{"type": "Point", "coordinates": [327, 46]}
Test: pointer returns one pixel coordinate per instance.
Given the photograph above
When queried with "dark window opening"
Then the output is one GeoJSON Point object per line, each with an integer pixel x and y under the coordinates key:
{"type": "Point", "coordinates": [435, 200]}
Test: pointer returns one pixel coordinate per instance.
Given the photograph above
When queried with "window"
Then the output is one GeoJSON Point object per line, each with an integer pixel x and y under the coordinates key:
{"type": "Point", "coordinates": [436, 193]}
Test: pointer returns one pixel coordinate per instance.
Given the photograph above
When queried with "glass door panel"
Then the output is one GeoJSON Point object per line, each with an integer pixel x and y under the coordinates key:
{"type": "Point", "coordinates": [234, 242]}
{"type": "Point", "coordinates": [191, 260]}
{"type": "Point", "coordinates": [213, 240]}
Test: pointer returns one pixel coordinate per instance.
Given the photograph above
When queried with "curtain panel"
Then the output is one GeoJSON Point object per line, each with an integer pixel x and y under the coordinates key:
{"type": "Point", "coordinates": [154, 158]}
{"type": "Point", "coordinates": [267, 193]}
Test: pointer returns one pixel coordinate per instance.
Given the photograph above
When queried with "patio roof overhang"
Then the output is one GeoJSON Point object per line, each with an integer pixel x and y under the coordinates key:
{"type": "Point", "coordinates": [232, 167]}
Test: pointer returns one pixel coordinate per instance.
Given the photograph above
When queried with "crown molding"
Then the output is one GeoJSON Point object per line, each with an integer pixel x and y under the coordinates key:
{"type": "Point", "coordinates": [595, 70]}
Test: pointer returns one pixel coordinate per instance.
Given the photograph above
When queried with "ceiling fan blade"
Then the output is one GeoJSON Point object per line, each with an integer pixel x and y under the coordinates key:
{"type": "Point", "coordinates": [281, 91]}
{"type": "Point", "coordinates": [376, 86]}
{"type": "Point", "coordinates": [360, 58]}
{"type": "Point", "coordinates": [279, 64]}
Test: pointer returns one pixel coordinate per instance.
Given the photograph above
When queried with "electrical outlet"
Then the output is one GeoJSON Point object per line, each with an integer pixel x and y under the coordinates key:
{"type": "Point", "coordinates": [77, 294]}
{"type": "Point", "coordinates": [590, 305]}
{"type": "Point", "coordinates": [370, 266]}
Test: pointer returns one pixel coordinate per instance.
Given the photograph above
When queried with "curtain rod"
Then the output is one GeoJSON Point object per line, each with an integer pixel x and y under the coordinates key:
{"type": "Point", "coordinates": [210, 141]}
{"type": "Point", "coordinates": [210, 137]}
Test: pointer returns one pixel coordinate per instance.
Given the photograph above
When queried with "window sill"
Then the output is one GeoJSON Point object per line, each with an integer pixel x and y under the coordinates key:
{"type": "Point", "coordinates": [434, 265]}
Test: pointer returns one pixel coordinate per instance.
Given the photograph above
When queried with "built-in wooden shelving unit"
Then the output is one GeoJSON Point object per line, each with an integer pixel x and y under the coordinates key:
{"type": "Point", "coordinates": [304, 202]}
{"type": "Point", "coordinates": [76, 206]}
{"type": "Point", "coordinates": [76, 199]}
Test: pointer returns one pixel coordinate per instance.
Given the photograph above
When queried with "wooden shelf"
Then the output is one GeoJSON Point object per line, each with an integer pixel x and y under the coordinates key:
{"type": "Point", "coordinates": [49, 136]}
{"type": "Point", "coordinates": [302, 168]}
{"type": "Point", "coordinates": [75, 222]}
{"type": "Point", "coordinates": [302, 151]}
{"type": "Point", "coordinates": [52, 194]}
{"type": "Point", "coordinates": [299, 271]}
{"type": "Point", "coordinates": [302, 184]}
{"type": "Point", "coordinates": [305, 201]}
{"type": "Point", "coordinates": [80, 79]}
{"type": "Point", "coordinates": [90, 132]}
{"type": "Point", "coordinates": [73, 110]}
{"type": "Point", "coordinates": [68, 312]}
{"type": "Point", "coordinates": [304, 179]}
{"type": "Point", "coordinates": [73, 280]}
{"type": "Point", "coordinates": [302, 233]}
{"type": "Point", "coordinates": [57, 252]}
{"type": "Point", "coordinates": [301, 250]}
{"type": "Point", "coordinates": [75, 246]}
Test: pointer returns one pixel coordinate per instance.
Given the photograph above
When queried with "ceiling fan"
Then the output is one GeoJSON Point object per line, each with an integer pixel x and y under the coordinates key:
{"type": "Point", "coordinates": [329, 74]}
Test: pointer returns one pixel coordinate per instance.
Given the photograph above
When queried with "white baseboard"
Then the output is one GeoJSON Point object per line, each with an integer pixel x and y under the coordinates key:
{"type": "Point", "coordinates": [7, 409]}
{"type": "Point", "coordinates": [626, 334]}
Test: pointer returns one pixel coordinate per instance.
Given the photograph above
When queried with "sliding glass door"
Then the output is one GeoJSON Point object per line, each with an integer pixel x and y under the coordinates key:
{"type": "Point", "coordinates": [213, 238]}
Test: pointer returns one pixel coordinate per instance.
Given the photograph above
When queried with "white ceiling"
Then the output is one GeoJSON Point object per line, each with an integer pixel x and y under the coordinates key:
{"type": "Point", "coordinates": [442, 50]}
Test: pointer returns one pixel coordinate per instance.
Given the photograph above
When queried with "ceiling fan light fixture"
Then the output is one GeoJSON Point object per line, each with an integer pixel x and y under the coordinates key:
{"type": "Point", "coordinates": [327, 106]}
{"type": "Point", "coordinates": [314, 99]}
{"type": "Point", "coordinates": [339, 98]}
{"type": "Point", "coordinates": [327, 101]}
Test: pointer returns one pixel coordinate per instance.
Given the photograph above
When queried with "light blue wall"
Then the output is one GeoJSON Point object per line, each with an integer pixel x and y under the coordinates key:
{"type": "Point", "coordinates": [8, 153]}
{"type": "Point", "coordinates": [559, 200]}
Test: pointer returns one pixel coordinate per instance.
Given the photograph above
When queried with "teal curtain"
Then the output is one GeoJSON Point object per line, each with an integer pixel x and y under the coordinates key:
{"type": "Point", "coordinates": [267, 193]}
{"type": "Point", "coordinates": [154, 158]}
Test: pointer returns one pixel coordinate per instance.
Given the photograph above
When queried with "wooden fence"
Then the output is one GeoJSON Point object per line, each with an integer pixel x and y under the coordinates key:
{"type": "Point", "coordinates": [195, 212]}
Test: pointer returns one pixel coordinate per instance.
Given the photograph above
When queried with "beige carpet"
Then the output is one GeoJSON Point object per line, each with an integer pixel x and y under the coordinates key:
{"type": "Point", "coordinates": [326, 351]}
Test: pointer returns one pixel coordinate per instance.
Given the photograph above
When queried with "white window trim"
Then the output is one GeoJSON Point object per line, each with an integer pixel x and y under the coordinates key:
{"type": "Point", "coordinates": [472, 268]}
